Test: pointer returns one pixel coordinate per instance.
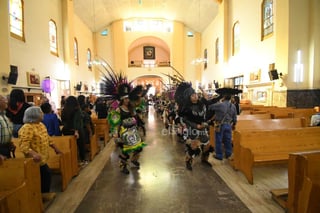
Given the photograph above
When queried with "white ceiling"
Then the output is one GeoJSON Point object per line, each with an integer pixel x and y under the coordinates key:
{"type": "Point", "coordinates": [98, 14]}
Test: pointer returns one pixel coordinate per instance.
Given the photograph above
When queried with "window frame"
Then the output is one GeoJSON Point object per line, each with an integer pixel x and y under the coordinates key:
{"type": "Point", "coordinates": [21, 27]}
{"type": "Point", "coordinates": [235, 38]}
{"type": "Point", "coordinates": [217, 51]}
{"type": "Point", "coordinates": [76, 51]}
{"type": "Point", "coordinates": [89, 59]}
{"type": "Point", "coordinates": [56, 38]}
{"type": "Point", "coordinates": [266, 19]}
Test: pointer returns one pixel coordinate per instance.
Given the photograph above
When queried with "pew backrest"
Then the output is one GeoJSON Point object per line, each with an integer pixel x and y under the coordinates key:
{"type": "Point", "coordinates": [271, 123]}
{"type": "Point", "coordinates": [279, 140]}
{"type": "Point", "coordinates": [253, 116]}
{"type": "Point", "coordinates": [303, 179]}
{"type": "Point", "coordinates": [20, 186]}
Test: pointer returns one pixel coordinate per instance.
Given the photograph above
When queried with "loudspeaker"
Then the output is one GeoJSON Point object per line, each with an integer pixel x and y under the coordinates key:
{"type": "Point", "coordinates": [273, 75]}
{"type": "Point", "coordinates": [13, 75]}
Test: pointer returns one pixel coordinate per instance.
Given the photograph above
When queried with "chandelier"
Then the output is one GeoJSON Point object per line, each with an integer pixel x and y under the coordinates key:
{"type": "Point", "coordinates": [197, 61]}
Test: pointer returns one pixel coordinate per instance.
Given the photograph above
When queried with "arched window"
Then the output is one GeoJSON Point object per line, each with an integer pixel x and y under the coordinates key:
{"type": "Point", "coordinates": [236, 38]}
{"type": "Point", "coordinates": [266, 19]}
{"type": "Point", "coordinates": [89, 62]}
{"type": "Point", "coordinates": [16, 19]}
{"type": "Point", "coordinates": [53, 37]}
{"type": "Point", "coordinates": [75, 51]}
{"type": "Point", "coordinates": [217, 51]}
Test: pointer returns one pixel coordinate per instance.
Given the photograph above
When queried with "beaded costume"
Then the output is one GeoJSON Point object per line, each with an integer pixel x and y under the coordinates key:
{"type": "Point", "coordinates": [122, 118]}
{"type": "Point", "coordinates": [195, 116]}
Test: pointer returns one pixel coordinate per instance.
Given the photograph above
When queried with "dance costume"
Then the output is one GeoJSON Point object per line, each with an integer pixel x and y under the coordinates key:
{"type": "Point", "coordinates": [122, 119]}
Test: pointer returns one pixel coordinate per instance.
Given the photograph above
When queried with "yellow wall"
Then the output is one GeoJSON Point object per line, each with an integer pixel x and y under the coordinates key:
{"type": "Point", "coordinates": [118, 42]}
{"type": "Point", "coordinates": [4, 41]}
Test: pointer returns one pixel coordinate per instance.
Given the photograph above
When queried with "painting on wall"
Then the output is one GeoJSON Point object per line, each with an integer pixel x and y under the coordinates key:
{"type": "Point", "coordinates": [149, 53]}
{"type": "Point", "coordinates": [261, 96]}
{"type": "Point", "coordinates": [33, 79]}
{"type": "Point", "coordinates": [255, 76]}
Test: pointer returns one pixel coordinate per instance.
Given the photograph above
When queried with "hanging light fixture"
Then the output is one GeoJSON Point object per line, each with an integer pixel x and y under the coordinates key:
{"type": "Point", "coordinates": [199, 60]}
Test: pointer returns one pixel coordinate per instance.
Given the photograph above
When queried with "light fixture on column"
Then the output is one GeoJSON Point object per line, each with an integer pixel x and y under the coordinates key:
{"type": "Point", "coordinates": [298, 69]}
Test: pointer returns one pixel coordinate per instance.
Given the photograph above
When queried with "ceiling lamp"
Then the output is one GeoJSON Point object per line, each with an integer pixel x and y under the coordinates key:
{"type": "Point", "coordinates": [197, 61]}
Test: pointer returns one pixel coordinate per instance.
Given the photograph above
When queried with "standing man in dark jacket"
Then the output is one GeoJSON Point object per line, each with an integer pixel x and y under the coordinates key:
{"type": "Point", "coordinates": [225, 121]}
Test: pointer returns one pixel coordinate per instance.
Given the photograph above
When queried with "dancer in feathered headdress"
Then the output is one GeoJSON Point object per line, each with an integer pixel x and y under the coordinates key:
{"type": "Point", "coordinates": [194, 114]}
{"type": "Point", "coordinates": [123, 119]}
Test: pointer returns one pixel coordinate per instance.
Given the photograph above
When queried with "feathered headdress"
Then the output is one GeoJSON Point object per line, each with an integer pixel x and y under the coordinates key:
{"type": "Point", "coordinates": [136, 93]}
{"type": "Point", "coordinates": [114, 85]}
{"type": "Point", "coordinates": [183, 92]}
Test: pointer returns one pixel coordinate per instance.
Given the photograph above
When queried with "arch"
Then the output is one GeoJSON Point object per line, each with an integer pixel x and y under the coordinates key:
{"type": "Point", "coordinates": [135, 51]}
{"type": "Point", "coordinates": [155, 80]}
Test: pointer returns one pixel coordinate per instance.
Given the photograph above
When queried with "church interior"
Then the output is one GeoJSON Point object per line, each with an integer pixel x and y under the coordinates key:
{"type": "Point", "coordinates": [269, 50]}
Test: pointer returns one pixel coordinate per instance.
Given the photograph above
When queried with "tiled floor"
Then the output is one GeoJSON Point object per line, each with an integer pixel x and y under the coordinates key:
{"type": "Point", "coordinates": [162, 184]}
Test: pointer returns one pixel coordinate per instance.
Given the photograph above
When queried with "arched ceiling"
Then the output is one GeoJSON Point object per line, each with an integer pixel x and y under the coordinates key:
{"type": "Point", "coordinates": [98, 14]}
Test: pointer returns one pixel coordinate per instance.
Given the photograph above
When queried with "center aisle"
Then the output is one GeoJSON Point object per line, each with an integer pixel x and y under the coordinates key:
{"type": "Point", "coordinates": [162, 184]}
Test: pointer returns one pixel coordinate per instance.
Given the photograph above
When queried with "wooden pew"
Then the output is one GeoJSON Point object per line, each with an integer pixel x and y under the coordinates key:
{"type": "Point", "coordinates": [94, 146]}
{"type": "Point", "coordinates": [66, 163]}
{"type": "Point", "coordinates": [264, 124]}
{"type": "Point", "coordinates": [306, 113]}
{"type": "Point", "coordinates": [254, 146]}
{"type": "Point", "coordinates": [271, 123]}
{"type": "Point", "coordinates": [20, 187]}
{"type": "Point", "coordinates": [303, 192]}
{"type": "Point", "coordinates": [303, 175]}
{"type": "Point", "coordinates": [68, 144]}
{"type": "Point", "coordinates": [101, 129]}
{"type": "Point", "coordinates": [255, 121]}
{"type": "Point", "coordinates": [254, 117]}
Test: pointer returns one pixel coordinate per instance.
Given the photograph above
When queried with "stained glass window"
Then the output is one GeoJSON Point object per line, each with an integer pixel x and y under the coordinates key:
{"type": "Point", "coordinates": [89, 62]}
{"type": "Point", "coordinates": [53, 38]}
{"type": "Point", "coordinates": [236, 38]}
{"type": "Point", "coordinates": [267, 19]}
{"type": "Point", "coordinates": [75, 51]}
{"type": "Point", "coordinates": [16, 19]}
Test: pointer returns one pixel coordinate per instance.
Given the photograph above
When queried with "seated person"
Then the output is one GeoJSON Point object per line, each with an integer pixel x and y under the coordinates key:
{"type": "Point", "coordinates": [50, 120]}
{"type": "Point", "coordinates": [315, 119]}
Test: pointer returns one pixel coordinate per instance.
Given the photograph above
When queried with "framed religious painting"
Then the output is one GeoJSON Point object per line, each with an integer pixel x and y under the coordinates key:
{"type": "Point", "coordinates": [149, 53]}
{"type": "Point", "coordinates": [33, 79]}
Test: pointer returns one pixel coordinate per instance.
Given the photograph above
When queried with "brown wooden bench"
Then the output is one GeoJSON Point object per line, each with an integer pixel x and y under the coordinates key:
{"type": "Point", "coordinates": [303, 192]}
{"type": "Point", "coordinates": [94, 146]}
{"type": "Point", "coordinates": [101, 129]}
{"type": "Point", "coordinates": [261, 121]}
{"type": "Point", "coordinates": [68, 143]}
{"type": "Point", "coordinates": [254, 146]}
{"type": "Point", "coordinates": [20, 188]}
{"type": "Point", "coordinates": [66, 163]}
{"type": "Point", "coordinates": [271, 123]}
{"type": "Point", "coordinates": [306, 113]}
{"type": "Point", "coordinates": [254, 117]}
{"type": "Point", "coordinates": [264, 124]}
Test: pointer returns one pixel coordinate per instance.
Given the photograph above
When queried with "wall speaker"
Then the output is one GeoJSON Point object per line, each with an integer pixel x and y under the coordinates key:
{"type": "Point", "coordinates": [273, 75]}
{"type": "Point", "coordinates": [13, 75]}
